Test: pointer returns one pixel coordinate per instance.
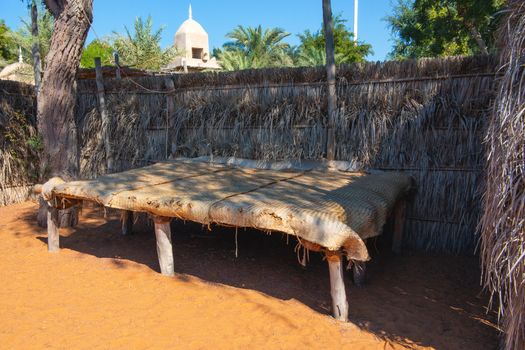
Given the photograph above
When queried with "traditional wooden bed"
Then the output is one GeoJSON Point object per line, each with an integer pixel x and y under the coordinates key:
{"type": "Point", "coordinates": [329, 206]}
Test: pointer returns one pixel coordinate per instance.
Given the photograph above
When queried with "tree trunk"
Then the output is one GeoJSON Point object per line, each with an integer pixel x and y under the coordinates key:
{"type": "Point", "coordinates": [37, 62]}
{"type": "Point", "coordinates": [57, 94]}
{"type": "Point", "coordinates": [56, 98]}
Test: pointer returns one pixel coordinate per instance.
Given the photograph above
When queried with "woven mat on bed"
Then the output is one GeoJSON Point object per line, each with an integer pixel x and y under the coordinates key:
{"type": "Point", "coordinates": [334, 209]}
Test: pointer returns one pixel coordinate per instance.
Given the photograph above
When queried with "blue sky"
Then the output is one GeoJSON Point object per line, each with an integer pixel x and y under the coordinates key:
{"type": "Point", "coordinates": [219, 17]}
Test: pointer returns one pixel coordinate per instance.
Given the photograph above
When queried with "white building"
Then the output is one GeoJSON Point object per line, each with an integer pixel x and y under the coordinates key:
{"type": "Point", "coordinates": [18, 71]}
{"type": "Point", "coordinates": [191, 40]}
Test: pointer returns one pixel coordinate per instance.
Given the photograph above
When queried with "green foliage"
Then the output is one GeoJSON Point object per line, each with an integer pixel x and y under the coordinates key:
{"type": "Point", "coordinates": [253, 47]}
{"type": "Point", "coordinates": [234, 60]}
{"type": "Point", "coordinates": [7, 45]}
{"type": "Point", "coordinates": [429, 28]}
{"type": "Point", "coordinates": [36, 143]}
{"type": "Point", "coordinates": [97, 48]}
{"type": "Point", "coordinates": [310, 57]}
{"type": "Point", "coordinates": [142, 48]}
{"type": "Point", "coordinates": [312, 50]}
{"type": "Point", "coordinates": [24, 38]}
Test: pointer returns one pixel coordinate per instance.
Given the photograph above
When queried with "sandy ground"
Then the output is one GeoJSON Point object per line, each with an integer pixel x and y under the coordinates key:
{"type": "Point", "coordinates": [103, 291]}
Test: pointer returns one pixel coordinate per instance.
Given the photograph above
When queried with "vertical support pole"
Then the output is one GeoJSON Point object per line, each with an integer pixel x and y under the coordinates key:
{"type": "Point", "coordinates": [127, 222]}
{"type": "Point", "coordinates": [359, 271]}
{"type": "Point", "coordinates": [330, 78]}
{"type": "Point", "coordinates": [164, 247]}
{"type": "Point", "coordinates": [42, 212]}
{"type": "Point", "coordinates": [170, 108]}
{"type": "Point", "coordinates": [106, 123]}
{"type": "Point", "coordinates": [356, 14]}
{"type": "Point", "coordinates": [337, 286]}
{"type": "Point", "coordinates": [117, 64]}
{"type": "Point", "coordinates": [68, 217]}
{"type": "Point", "coordinates": [53, 235]}
{"type": "Point", "coordinates": [399, 225]}
{"type": "Point", "coordinates": [35, 50]}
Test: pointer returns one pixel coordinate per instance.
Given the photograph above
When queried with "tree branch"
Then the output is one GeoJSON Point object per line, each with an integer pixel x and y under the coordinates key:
{"type": "Point", "coordinates": [477, 37]}
{"type": "Point", "coordinates": [474, 32]}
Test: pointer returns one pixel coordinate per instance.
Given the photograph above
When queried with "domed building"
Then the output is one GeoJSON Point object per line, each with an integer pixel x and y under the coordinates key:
{"type": "Point", "coordinates": [191, 41]}
{"type": "Point", "coordinates": [18, 71]}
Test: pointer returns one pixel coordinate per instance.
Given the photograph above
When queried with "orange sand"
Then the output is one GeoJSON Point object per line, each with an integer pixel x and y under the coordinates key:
{"type": "Point", "coordinates": [103, 291]}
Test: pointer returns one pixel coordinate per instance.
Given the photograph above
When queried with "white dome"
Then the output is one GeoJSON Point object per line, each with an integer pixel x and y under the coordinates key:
{"type": "Point", "coordinates": [193, 49]}
{"type": "Point", "coordinates": [18, 71]}
{"type": "Point", "coordinates": [191, 26]}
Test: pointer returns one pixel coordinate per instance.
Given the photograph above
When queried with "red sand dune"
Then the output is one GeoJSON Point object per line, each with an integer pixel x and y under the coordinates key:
{"type": "Point", "coordinates": [103, 291]}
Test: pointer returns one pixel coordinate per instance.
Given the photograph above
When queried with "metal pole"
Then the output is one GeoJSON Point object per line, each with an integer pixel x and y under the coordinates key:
{"type": "Point", "coordinates": [356, 13]}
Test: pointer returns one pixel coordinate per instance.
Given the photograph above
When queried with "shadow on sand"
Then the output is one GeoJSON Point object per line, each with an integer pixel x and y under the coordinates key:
{"type": "Point", "coordinates": [402, 292]}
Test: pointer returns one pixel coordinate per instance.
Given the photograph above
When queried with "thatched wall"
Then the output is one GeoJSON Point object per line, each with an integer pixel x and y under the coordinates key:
{"type": "Point", "coordinates": [503, 221]}
{"type": "Point", "coordinates": [19, 145]}
{"type": "Point", "coordinates": [422, 117]}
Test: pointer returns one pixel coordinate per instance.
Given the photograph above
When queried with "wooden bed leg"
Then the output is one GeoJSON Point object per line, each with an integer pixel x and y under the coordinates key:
{"type": "Point", "coordinates": [53, 225]}
{"type": "Point", "coordinates": [164, 248]}
{"type": "Point", "coordinates": [127, 222]}
{"type": "Point", "coordinates": [359, 271]}
{"type": "Point", "coordinates": [337, 287]}
{"type": "Point", "coordinates": [68, 217]}
{"type": "Point", "coordinates": [399, 223]}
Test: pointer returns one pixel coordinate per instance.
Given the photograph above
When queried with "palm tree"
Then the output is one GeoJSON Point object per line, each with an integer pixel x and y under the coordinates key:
{"type": "Point", "coordinates": [312, 49]}
{"type": "Point", "coordinates": [312, 56]}
{"type": "Point", "coordinates": [234, 60]}
{"type": "Point", "coordinates": [253, 47]}
{"type": "Point", "coordinates": [24, 38]}
{"type": "Point", "coordinates": [142, 48]}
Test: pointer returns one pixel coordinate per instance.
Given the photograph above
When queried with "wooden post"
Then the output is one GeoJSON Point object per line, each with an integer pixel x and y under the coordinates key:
{"type": "Point", "coordinates": [35, 50]}
{"type": "Point", "coordinates": [164, 247]}
{"type": "Point", "coordinates": [68, 217]}
{"type": "Point", "coordinates": [330, 78]}
{"type": "Point", "coordinates": [106, 123]}
{"type": "Point", "coordinates": [399, 223]}
{"type": "Point", "coordinates": [170, 109]}
{"type": "Point", "coordinates": [42, 212]}
{"type": "Point", "coordinates": [359, 271]}
{"type": "Point", "coordinates": [117, 64]}
{"type": "Point", "coordinates": [337, 287]}
{"type": "Point", "coordinates": [127, 222]}
{"type": "Point", "coordinates": [53, 235]}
